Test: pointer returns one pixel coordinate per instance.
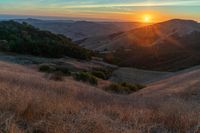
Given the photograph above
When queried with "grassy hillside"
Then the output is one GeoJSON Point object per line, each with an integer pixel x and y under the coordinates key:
{"type": "Point", "coordinates": [25, 39]}
{"type": "Point", "coordinates": [168, 46]}
{"type": "Point", "coordinates": [170, 60]}
{"type": "Point", "coordinates": [29, 102]}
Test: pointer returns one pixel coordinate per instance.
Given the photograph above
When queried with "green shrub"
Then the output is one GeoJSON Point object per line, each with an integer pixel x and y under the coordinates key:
{"type": "Point", "coordinates": [51, 68]}
{"type": "Point", "coordinates": [103, 73]}
{"type": "Point", "coordinates": [99, 74]}
{"type": "Point", "coordinates": [124, 88]}
{"type": "Point", "coordinates": [4, 45]}
{"type": "Point", "coordinates": [47, 68]}
{"type": "Point", "coordinates": [85, 77]}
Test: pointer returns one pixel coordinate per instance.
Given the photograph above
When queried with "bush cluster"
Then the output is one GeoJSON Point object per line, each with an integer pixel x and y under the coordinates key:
{"type": "Point", "coordinates": [85, 77]}
{"type": "Point", "coordinates": [48, 68]}
{"type": "Point", "coordinates": [102, 73]}
{"type": "Point", "coordinates": [51, 68]}
{"type": "Point", "coordinates": [99, 74]}
{"type": "Point", "coordinates": [124, 88]}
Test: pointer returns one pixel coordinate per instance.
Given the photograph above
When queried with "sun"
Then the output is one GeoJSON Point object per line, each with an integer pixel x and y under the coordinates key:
{"type": "Point", "coordinates": [147, 18]}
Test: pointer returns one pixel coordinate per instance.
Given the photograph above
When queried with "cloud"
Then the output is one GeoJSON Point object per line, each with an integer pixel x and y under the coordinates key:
{"type": "Point", "coordinates": [138, 4]}
{"type": "Point", "coordinates": [190, 8]}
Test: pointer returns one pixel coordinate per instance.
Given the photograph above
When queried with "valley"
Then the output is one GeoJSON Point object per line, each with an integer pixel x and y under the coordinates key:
{"type": "Point", "coordinates": [30, 97]}
{"type": "Point", "coordinates": [166, 46]}
{"type": "Point", "coordinates": [139, 80]}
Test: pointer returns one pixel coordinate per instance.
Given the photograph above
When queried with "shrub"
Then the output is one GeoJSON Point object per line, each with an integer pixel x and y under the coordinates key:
{"type": "Point", "coordinates": [103, 73]}
{"type": "Point", "coordinates": [47, 68]}
{"type": "Point", "coordinates": [63, 69]}
{"type": "Point", "coordinates": [85, 77]}
{"type": "Point", "coordinates": [132, 87]}
{"type": "Point", "coordinates": [4, 45]}
{"type": "Point", "coordinates": [50, 68]}
{"type": "Point", "coordinates": [99, 74]}
{"type": "Point", "coordinates": [123, 88]}
{"type": "Point", "coordinates": [57, 76]}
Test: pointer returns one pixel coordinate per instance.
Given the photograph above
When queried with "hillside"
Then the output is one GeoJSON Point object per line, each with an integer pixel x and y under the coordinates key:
{"type": "Point", "coordinates": [143, 37]}
{"type": "Point", "coordinates": [183, 84]}
{"type": "Point", "coordinates": [166, 46]}
{"type": "Point", "coordinates": [78, 30]}
{"type": "Point", "coordinates": [30, 102]}
{"type": "Point", "coordinates": [26, 39]}
{"type": "Point", "coordinates": [57, 95]}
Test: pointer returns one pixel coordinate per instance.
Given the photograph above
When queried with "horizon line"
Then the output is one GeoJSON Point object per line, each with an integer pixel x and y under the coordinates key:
{"type": "Point", "coordinates": [65, 18]}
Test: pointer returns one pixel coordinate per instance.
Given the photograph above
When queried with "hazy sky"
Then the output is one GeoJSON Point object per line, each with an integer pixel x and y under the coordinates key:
{"type": "Point", "coordinates": [122, 10]}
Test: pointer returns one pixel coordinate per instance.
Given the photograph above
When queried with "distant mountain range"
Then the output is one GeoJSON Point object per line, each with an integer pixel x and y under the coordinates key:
{"type": "Point", "coordinates": [168, 46]}
{"type": "Point", "coordinates": [143, 37]}
{"type": "Point", "coordinates": [78, 30]}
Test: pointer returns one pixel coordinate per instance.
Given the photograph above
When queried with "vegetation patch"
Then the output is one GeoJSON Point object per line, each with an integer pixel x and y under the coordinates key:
{"type": "Point", "coordinates": [85, 77]}
{"type": "Point", "coordinates": [124, 88]}
{"type": "Point", "coordinates": [102, 73]}
{"type": "Point", "coordinates": [99, 74]}
{"type": "Point", "coordinates": [48, 68]}
{"type": "Point", "coordinates": [51, 68]}
{"type": "Point", "coordinates": [26, 39]}
{"type": "Point", "coordinates": [64, 70]}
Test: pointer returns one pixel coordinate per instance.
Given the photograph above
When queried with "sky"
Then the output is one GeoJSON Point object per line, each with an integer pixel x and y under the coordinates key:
{"type": "Point", "coordinates": [114, 10]}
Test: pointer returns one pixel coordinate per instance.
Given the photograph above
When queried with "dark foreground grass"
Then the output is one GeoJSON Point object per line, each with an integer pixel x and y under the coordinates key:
{"type": "Point", "coordinates": [29, 103]}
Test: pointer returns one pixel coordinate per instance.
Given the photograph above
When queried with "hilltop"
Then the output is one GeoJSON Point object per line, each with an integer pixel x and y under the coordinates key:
{"type": "Point", "coordinates": [165, 46]}
{"type": "Point", "coordinates": [78, 30]}
{"type": "Point", "coordinates": [143, 36]}
{"type": "Point", "coordinates": [26, 39]}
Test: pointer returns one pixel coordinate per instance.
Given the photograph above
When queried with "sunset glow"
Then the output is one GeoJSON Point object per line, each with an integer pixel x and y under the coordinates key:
{"type": "Point", "coordinates": [147, 18]}
{"type": "Point", "coordinates": [116, 10]}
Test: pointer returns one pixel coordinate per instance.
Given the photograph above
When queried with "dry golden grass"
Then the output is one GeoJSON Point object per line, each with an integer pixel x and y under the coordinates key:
{"type": "Point", "coordinates": [30, 103]}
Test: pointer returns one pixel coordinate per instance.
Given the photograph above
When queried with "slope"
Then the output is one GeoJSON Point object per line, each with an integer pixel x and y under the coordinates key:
{"type": "Point", "coordinates": [183, 84]}
{"type": "Point", "coordinates": [144, 36]}
{"type": "Point", "coordinates": [78, 30]}
{"type": "Point", "coordinates": [30, 102]}
{"type": "Point", "coordinates": [26, 39]}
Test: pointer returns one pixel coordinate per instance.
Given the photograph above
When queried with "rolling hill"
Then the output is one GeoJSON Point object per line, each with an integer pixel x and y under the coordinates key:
{"type": "Point", "coordinates": [26, 39]}
{"type": "Point", "coordinates": [144, 36]}
{"type": "Point", "coordinates": [31, 101]}
{"type": "Point", "coordinates": [78, 30]}
{"type": "Point", "coordinates": [183, 84]}
{"type": "Point", "coordinates": [168, 46]}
